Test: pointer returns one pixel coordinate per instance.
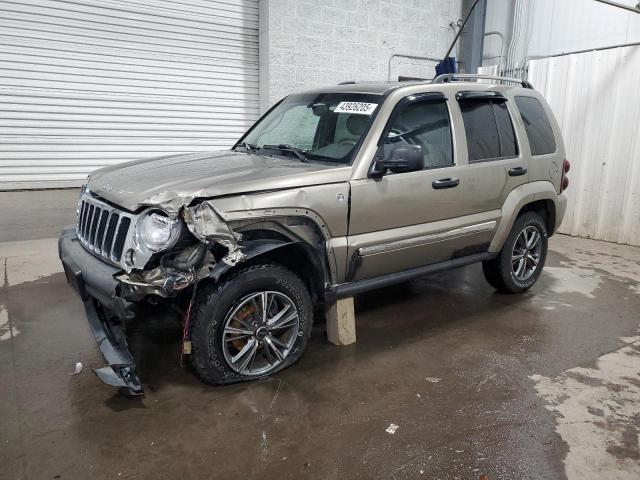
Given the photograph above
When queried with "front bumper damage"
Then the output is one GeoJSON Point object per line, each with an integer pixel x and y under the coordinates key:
{"type": "Point", "coordinates": [110, 295]}
{"type": "Point", "coordinates": [106, 313]}
{"type": "Point", "coordinates": [111, 338]}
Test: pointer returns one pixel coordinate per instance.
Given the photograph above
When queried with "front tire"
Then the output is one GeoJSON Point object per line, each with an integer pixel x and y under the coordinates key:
{"type": "Point", "coordinates": [521, 260]}
{"type": "Point", "coordinates": [255, 323]}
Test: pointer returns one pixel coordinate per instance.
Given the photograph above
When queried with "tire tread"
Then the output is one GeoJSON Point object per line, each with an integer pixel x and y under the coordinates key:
{"type": "Point", "coordinates": [497, 271]}
{"type": "Point", "coordinates": [208, 295]}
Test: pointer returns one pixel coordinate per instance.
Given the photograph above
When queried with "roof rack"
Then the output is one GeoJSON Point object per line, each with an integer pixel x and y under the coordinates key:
{"type": "Point", "coordinates": [451, 77]}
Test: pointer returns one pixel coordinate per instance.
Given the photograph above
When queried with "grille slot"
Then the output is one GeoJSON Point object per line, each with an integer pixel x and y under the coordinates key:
{"type": "Point", "coordinates": [111, 231]}
{"type": "Point", "coordinates": [121, 236]}
{"type": "Point", "coordinates": [103, 229]}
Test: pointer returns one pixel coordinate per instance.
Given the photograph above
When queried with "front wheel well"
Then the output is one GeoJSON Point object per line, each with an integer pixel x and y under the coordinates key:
{"type": "Point", "coordinates": [299, 258]}
{"type": "Point", "coordinates": [546, 209]}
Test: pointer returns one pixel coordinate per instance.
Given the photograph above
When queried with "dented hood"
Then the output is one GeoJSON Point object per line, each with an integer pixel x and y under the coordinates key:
{"type": "Point", "coordinates": [176, 180]}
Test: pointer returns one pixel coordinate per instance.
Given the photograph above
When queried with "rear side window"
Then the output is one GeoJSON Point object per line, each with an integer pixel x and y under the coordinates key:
{"type": "Point", "coordinates": [490, 134]}
{"type": "Point", "coordinates": [537, 125]}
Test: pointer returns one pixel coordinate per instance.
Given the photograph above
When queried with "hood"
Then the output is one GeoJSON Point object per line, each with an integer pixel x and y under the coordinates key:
{"type": "Point", "coordinates": [176, 180]}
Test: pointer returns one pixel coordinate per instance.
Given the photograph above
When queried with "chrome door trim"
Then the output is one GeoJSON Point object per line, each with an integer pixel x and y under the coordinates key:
{"type": "Point", "coordinates": [427, 239]}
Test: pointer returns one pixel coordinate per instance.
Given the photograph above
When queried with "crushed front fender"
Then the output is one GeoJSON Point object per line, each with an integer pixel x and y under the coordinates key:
{"type": "Point", "coordinates": [208, 226]}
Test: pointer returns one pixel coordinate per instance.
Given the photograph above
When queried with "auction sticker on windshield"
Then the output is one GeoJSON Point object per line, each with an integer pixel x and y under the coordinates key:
{"type": "Point", "coordinates": [361, 108]}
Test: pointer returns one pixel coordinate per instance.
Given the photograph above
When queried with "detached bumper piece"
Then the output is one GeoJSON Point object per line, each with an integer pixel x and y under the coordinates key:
{"type": "Point", "coordinates": [111, 338]}
{"type": "Point", "coordinates": [93, 280]}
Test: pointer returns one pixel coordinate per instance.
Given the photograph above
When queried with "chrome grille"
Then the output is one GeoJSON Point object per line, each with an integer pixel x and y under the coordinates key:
{"type": "Point", "coordinates": [103, 229]}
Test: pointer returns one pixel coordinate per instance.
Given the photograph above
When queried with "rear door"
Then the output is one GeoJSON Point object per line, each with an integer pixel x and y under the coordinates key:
{"type": "Point", "coordinates": [496, 163]}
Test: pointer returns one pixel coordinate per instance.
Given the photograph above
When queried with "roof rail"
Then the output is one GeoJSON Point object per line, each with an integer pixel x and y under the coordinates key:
{"type": "Point", "coordinates": [452, 77]}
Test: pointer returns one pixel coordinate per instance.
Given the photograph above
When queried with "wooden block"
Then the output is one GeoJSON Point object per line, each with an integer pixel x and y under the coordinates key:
{"type": "Point", "coordinates": [341, 322]}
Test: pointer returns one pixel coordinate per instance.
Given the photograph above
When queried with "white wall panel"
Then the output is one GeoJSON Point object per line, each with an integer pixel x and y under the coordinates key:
{"type": "Point", "coordinates": [552, 27]}
{"type": "Point", "coordinates": [596, 100]}
{"type": "Point", "coordinates": [89, 83]}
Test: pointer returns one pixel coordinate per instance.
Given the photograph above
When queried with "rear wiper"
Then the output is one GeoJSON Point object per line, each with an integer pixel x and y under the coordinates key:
{"type": "Point", "coordinates": [299, 153]}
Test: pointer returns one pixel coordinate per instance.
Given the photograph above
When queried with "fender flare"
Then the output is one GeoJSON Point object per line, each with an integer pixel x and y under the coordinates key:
{"type": "Point", "coordinates": [253, 249]}
{"type": "Point", "coordinates": [518, 198]}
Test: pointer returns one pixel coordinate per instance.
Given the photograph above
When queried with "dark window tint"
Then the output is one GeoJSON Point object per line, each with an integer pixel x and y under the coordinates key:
{"type": "Point", "coordinates": [489, 130]}
{"type": "Point", "coordinates": [537, 126]}
{"type": "Point", "coordinates": [508, 147]}
{"type": "Point", "coordinates": [424, 123]}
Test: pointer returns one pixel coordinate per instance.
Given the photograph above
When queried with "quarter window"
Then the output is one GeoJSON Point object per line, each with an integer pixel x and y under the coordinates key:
{"type": "Point", "coordinates": [490, 134]}
{"type": "Point", "coordinates": [424, 123]}
{"type": "Point", "coordinates": [537, 126]}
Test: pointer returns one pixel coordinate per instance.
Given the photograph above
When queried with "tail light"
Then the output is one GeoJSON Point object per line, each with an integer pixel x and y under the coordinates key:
{"type": "Point", "coordinates": [564, 180]}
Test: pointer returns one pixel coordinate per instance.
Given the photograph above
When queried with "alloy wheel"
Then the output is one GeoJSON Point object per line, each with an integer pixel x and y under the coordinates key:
{"type": "Point", "coordinates": [526, 253]}
{"type": "Point", "coordinates": [259, 332]}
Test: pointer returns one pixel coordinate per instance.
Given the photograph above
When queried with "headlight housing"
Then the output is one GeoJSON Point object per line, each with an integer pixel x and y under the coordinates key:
{"type": "Point", "coordinates": [155, 231]}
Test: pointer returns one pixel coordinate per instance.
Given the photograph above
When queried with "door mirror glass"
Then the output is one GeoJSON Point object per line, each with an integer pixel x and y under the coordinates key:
{"type": "Point", "coordinates": [400, 159]}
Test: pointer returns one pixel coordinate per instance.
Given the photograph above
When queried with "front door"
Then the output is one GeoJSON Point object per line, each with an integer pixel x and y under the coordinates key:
{"type": "Point", "coordinates": [447, 210]}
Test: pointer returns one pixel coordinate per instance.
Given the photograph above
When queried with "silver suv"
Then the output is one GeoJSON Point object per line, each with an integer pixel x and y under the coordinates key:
{"type": "Point", "coordinates": [331, 193]}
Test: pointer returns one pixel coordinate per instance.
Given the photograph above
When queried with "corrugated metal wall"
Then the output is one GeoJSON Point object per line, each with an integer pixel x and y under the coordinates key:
{"type": "Point", "coordinates": [88, 83]}
{"type": "Point", "coordinates": [596, 99]}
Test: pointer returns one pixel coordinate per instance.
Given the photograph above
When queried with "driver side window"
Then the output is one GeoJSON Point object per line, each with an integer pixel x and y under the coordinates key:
{"type": "Point", "coordinates": [425, 123]}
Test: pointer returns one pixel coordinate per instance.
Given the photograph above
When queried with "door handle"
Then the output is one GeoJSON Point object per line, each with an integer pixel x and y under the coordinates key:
{"type": "Point", "coordinates": [445, 183]}
{"type": "Point", "coordinates": [517, 171]}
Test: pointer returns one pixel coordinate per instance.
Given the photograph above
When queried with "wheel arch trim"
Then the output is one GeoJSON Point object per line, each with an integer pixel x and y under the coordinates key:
{"type": "Point", "coordinates": [281, 252]}
{"type": "Point", "coordinates": [517, 199]}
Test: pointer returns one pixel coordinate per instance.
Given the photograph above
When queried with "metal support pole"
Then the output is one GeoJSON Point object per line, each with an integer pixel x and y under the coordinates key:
{"type": "Point", "coordinates": [466, 19]}
{"type": "Point", "coordinates": [503, 48]}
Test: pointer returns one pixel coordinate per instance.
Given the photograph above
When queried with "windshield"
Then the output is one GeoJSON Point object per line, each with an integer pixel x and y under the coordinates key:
{"type": "Point", "coordinates": [325, 127]}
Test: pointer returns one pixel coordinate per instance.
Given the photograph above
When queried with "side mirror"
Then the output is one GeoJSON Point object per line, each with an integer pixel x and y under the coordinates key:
{"type": "Point", "coordinates": [401, 159]}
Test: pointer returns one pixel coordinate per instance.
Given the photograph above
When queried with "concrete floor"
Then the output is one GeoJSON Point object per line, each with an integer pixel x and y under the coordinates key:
{"type": "Point", "coordinates": [544, 385]}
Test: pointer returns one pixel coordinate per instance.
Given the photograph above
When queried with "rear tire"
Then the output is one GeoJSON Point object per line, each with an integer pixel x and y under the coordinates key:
{"type": "Point", "coordinates": [230, 318]}
{"type": "Point", "coordinates": [521, 260]}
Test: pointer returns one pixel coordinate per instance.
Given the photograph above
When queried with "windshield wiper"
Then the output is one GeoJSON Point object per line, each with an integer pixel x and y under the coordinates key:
{"type": "Point", "coordinates": [285, 147]}
{"type": "Point", "coordinates": [249, 147]}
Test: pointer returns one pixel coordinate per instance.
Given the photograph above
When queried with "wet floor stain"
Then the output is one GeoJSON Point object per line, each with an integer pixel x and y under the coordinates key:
{"type": "Point", "coordinates": [597, 412]}
{"type": "Point", "coordinates": [572, 279]}
{"type": "Point", "coordinates": [445, 359]}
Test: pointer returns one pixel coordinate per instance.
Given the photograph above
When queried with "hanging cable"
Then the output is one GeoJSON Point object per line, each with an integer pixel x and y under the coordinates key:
{"type": "Point", "coordinates": [635, 9]}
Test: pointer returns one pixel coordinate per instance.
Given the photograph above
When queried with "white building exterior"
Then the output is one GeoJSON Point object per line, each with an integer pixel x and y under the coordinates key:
{"type": "Point", "coordinates": [318, 42]}
{"type": "Point", "coordinates": [594, 95]}
{"type": "Point", "coordinates": [89, 83]}
{"type": "Point", "coordinates": [535, 28]}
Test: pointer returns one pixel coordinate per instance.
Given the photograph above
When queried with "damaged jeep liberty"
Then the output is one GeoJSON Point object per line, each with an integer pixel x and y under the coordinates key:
{"type": "Point", "coordinates": [331, 193]}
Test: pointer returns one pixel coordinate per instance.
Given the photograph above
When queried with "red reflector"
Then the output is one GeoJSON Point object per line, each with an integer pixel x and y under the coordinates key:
{"type": "Point", "coordinates": [564, 181]}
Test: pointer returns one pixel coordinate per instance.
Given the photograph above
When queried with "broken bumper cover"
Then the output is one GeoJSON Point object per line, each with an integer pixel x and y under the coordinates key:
{"type": "Point", "coordinates": [94, 282]}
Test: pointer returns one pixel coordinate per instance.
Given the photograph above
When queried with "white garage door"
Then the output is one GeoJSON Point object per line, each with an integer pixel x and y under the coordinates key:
{"type": "Point", "coordinates": [89, 83]}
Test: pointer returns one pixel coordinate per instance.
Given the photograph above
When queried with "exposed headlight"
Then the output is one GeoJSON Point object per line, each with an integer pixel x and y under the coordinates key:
{"type": "Point", "coordinates": [155, 231]}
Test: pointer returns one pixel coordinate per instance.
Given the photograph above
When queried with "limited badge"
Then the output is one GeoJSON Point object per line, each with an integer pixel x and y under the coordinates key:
{"type": "Point", "coordinates": [361, 108]}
